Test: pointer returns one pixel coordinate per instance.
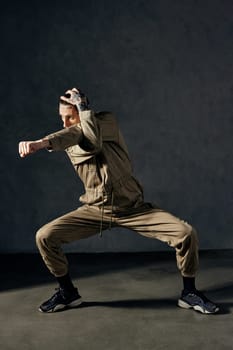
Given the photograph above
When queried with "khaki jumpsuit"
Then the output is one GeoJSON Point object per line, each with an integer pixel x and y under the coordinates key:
{"type": "Point", "coordinates": [113, 197]}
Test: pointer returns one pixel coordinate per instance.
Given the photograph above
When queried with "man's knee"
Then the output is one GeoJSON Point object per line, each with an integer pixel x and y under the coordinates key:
{"type": "Point", "coordinates": [194, 235]}
{"type": "Point", "coordinates": [187, 232]}
{"type": "Point", "coordinates": [43, 235]}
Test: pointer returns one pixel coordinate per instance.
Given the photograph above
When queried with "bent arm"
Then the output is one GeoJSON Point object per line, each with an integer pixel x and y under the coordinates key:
{"type": "Point", "coordinates": [87, 131]}
{"type": "Point", "coordinates": [57, 141]}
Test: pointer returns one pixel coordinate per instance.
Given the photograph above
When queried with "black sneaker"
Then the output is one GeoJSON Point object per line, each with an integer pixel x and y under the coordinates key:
{"type": "Point", "coordinates": [197, 301]}
{"type": "Point", "coordinates": [61, 300]}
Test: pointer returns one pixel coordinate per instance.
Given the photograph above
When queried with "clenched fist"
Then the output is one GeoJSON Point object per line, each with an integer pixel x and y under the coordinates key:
{"type": "Point", "coordinates": [29, 147]}
{"type": "Point", "coordinates": [77, 98]}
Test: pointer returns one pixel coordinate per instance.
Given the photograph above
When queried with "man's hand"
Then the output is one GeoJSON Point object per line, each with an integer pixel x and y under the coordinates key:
{"type": "Point", "coordinates": [77, 98]}
{"type": "Point", "coordinates": [29, 147]}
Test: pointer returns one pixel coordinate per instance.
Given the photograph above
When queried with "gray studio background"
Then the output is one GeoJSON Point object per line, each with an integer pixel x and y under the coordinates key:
{"type": "Point", "coordinates": [163, 67]}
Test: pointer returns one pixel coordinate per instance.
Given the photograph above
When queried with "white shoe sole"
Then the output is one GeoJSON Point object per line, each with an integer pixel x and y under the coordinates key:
{"type": "Point", "coordinates": [184, 305]}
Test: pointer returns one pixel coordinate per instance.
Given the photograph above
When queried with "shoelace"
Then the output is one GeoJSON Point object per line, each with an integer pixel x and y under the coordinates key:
{"type": "Point", "coordinates": [200, 295]}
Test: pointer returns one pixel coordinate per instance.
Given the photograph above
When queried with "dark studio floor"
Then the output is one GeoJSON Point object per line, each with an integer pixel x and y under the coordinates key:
{"type": "Point", "coordinates": [129, 303]}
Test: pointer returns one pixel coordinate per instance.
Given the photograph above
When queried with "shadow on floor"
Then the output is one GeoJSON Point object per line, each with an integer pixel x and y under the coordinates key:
{"type": "Point", "coordinates": [27, 270]}
{"type": "Point", "coordinates": [166, 303]}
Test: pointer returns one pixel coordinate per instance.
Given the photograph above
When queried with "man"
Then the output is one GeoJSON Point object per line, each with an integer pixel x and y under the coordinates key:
{"type": "Point", "coordinates": [113, 197]}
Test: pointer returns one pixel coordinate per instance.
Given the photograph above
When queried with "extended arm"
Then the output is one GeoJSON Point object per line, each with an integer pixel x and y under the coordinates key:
{"type": "Point", "coordinates": [84, 131]}
{"type": "Point", "coordinates": [62, 139]}
{"type": "Point", "coordinates": [29, 147]}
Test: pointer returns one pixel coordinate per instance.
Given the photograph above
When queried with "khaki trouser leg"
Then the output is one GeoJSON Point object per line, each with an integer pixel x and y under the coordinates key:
{"type": "Point", "coordinates": [78, 224]}
{"type": "Point", "coordinates": [156, 223]}
{"type": "Point", "coordinates": [85, 222]}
